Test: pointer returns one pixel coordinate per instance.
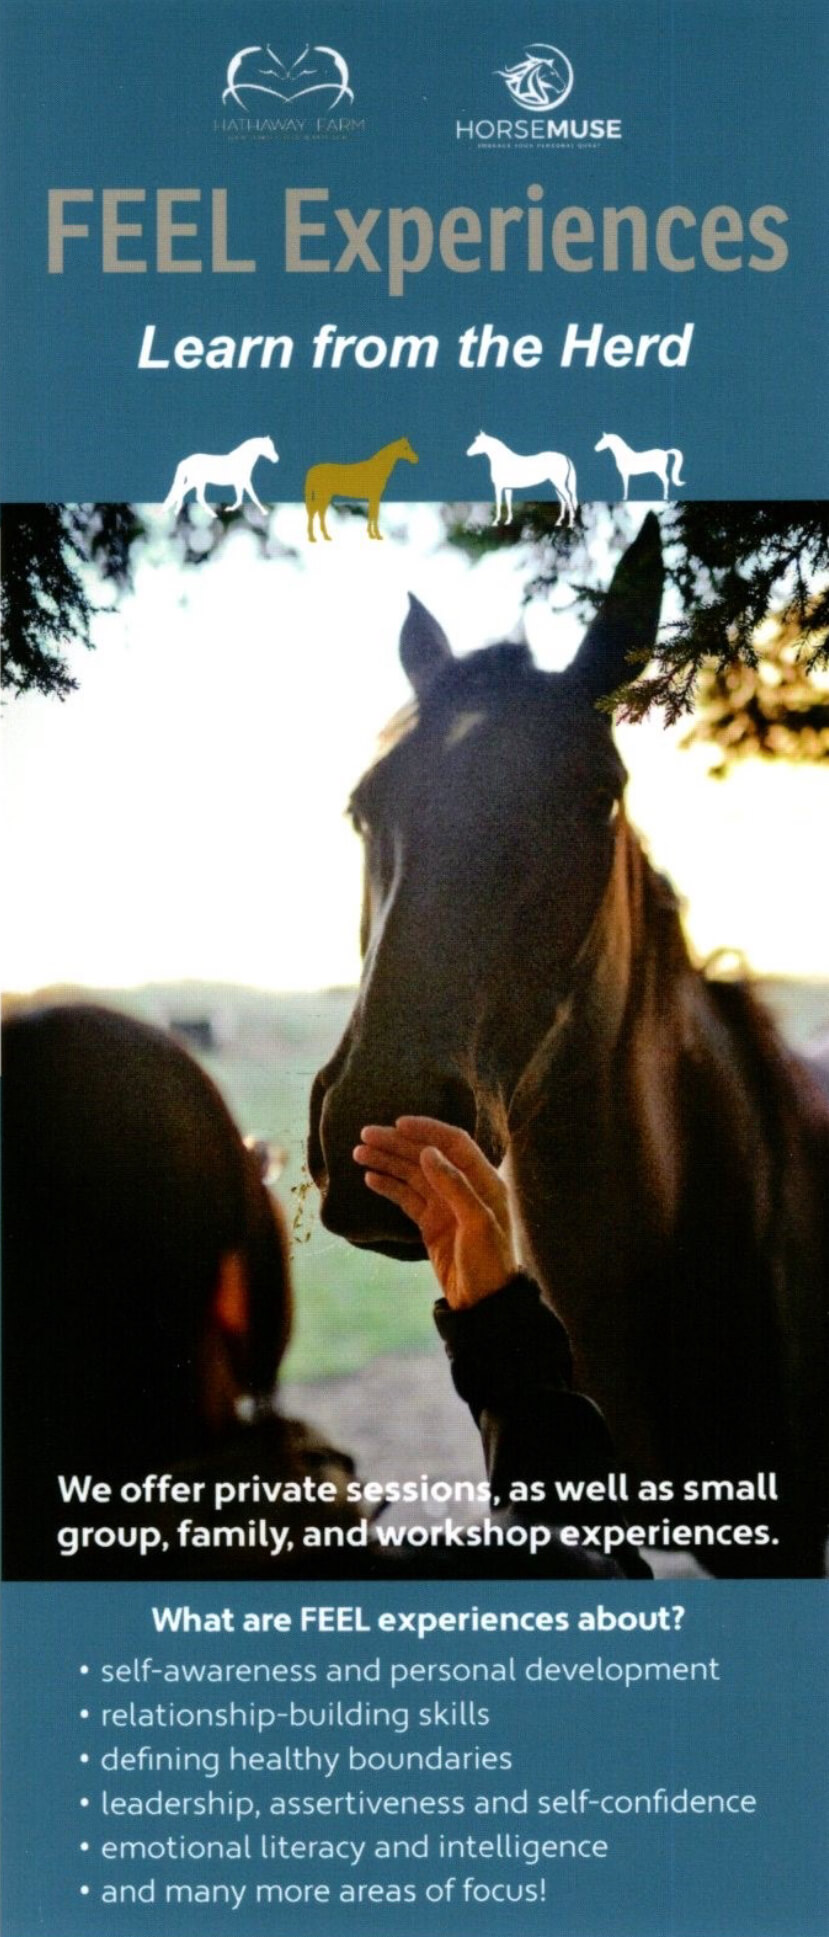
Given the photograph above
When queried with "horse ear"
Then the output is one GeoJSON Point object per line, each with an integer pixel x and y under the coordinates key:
{"type": "Point", "coordinates": [628, 616]}
{"type": "Point", "coordinates": [424, 647]}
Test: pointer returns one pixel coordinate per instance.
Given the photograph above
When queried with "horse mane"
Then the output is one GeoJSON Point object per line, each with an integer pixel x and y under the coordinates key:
{"type": "Point", "coordinates": [777, 1079]}
{"type": "Point", "coordinates": [401, 724]}
{"type": "Point", "coordinates": [774, 1071]}
{"type": "Point", "coordinates": [767, 1060]}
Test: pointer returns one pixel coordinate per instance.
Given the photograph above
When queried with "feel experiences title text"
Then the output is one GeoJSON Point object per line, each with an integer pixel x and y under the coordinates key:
{"type": "Point", "coordinates": [139, 231]}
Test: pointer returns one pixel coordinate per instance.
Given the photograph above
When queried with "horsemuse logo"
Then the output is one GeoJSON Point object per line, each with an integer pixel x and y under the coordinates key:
{"type": "Point", "coordinates": [543, 78]}
{"type": "Point", "coordinates": [539, 83]}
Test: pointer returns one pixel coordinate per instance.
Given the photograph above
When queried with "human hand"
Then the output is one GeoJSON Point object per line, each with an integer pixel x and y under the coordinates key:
{"type": "Point", "coordinates": [444, 1183]}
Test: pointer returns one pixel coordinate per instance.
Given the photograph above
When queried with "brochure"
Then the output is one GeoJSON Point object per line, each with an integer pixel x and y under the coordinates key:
{"type": "Point", "coordinates": [416, 1041]}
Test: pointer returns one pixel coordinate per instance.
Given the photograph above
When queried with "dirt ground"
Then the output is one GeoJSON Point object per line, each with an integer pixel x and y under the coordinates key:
{"type": "Point", "coordinates": [398, 1418]}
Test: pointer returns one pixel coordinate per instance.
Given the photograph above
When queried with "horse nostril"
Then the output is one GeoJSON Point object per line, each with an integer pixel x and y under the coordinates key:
{"type": "Point", "coordinates": [314, 1154]}
{"type": "Point", "coordinates": [457, 1105]}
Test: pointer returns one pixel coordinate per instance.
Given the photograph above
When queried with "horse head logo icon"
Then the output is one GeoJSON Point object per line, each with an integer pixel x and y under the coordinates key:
{"type": "Point", "coordinates": [258, 70]}
{"type": "Point", "coordinates": [542, 79]}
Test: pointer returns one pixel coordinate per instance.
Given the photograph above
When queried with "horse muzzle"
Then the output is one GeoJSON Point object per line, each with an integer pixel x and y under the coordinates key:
{"type": "Point", "coordinates": [338, 1111]}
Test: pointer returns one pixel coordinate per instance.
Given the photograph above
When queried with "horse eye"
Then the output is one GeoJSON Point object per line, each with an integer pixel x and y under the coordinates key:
{"type": "Point", "coordinates": [605, 804]}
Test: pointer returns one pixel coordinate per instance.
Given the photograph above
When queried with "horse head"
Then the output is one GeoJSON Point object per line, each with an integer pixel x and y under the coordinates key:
{"type": "Point", "coordinates": [267, 448]}
{"type": "Point", "coordinates": [480, 445]}
{"type": "Point", "coordinates": [403, 449]}
{"type": "Point", "coordinates": [491, 829]}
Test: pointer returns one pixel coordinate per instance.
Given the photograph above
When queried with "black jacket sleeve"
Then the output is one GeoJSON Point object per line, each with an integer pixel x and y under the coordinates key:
{"type": "Point", "coordinates": [511, 1362]}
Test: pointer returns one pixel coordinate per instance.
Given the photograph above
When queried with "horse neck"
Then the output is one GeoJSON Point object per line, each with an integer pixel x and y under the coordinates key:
{"type": "Point", "coordinates": [603, 1115]}
{"type": "Point", "coordinates": [670, 1195]}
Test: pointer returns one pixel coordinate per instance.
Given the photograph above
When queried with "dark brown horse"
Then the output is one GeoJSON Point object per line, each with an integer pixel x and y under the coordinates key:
{"type": "Point", "coordinates": [526, 976]}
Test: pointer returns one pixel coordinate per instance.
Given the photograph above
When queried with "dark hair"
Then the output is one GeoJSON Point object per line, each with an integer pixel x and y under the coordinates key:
{"type": "Point", "coordinates": [125, 1184]}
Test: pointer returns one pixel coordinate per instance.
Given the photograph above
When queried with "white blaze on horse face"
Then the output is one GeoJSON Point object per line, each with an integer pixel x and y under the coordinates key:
{"type": "Point", "coordinates": [462, 725]}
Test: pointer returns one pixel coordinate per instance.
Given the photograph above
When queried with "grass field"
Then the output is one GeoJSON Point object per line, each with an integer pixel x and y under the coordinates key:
{"type": "Point", "coordinates": [351, 1305]}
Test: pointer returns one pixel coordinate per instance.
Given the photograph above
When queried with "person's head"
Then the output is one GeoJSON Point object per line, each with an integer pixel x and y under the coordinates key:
{"type": "Point", "coordinates": [146, 1282]}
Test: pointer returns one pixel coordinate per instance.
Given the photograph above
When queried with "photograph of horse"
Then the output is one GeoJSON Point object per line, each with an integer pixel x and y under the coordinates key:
{"type": "Point", "coordinates": [367, 479]}
{"type": "Point", "coordinates": [526, 977]}
{"type": "Point", "coordinates": [632, 464]}
{"type": "Point", "coordinates": [236, 467]}
{"type": "Point", "coordinates": [509, 469]}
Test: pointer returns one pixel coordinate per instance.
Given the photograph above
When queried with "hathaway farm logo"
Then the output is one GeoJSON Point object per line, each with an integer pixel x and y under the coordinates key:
{"type": "Point", "coordinates": [540, 81]}
{"type": "Point", "coordinates": [258, 74]}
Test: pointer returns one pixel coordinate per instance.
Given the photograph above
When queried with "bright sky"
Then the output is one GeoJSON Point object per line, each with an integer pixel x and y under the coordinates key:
{"type": "Point", "coordinates": [181, 815]}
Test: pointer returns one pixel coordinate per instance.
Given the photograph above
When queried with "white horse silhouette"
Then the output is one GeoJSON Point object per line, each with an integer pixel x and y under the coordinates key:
{"type": "Point", "coordinates": [631, 463]}
{"type": "Point", "coordinates": [508, 468]}
{"type": "Point", "coordinates": [236, 468]}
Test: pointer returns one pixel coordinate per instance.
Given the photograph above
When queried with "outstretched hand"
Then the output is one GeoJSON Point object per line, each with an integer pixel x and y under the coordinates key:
{"type": "Point", "coordinates": [444, 1183]}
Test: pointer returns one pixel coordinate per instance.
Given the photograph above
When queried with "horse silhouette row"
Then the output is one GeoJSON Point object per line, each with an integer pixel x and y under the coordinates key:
{"type": "Point", "coordinates": [366, 479]}
{"type": "Point", "coordinates": [526, 977]}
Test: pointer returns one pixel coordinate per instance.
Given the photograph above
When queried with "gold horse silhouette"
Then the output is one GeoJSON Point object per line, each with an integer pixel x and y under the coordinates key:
{"type": "Point", "coordinates": [365, 480]}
